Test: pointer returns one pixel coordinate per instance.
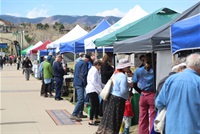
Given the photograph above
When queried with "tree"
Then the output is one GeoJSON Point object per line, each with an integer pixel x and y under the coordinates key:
{"type": "Point", "coordinates": [39, 26]}
{"type": "Point", "coordinates": [46, 26]}
{"type": "Point", "coordinates": [29, 39]}
{"type": "Point", "coordinates": [58, 26]}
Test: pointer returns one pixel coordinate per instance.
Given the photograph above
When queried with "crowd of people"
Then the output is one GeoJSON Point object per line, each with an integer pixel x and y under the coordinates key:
{"type": "Point", "coordinates": [10, 60]}
{"type": "Point", "coordinates": [178, 92]}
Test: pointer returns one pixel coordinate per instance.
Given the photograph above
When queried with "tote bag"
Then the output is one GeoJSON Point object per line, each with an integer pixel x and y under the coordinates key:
{"type": "Point", "coordinates": [159, 122]}
{"type": "Point", "coordinates": [106, 90]}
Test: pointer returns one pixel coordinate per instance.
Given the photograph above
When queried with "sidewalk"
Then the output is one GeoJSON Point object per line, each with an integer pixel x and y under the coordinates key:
{"type": "Point", "coordinates": [22, 108]}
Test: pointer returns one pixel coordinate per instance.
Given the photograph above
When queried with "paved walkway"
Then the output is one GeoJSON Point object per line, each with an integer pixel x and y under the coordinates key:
{"type": "Point", "coordinates": [22, 108]}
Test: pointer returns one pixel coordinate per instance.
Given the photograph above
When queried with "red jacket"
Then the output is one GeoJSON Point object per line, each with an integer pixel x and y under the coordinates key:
{"type": "Point", "coordinates": [128, 111]}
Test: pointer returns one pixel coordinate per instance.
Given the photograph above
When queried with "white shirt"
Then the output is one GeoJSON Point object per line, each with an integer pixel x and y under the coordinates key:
{"type": "Point", "coordinates": [94, 83]}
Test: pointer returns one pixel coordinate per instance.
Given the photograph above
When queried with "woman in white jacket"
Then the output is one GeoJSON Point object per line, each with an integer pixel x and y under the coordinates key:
{"type": "Point", "coordinates": [93, 88]}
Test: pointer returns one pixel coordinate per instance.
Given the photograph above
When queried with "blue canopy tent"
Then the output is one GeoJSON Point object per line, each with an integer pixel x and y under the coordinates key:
{"type": "Point", "coordinates": [77, 46]}
{"type": "Point", "coordinates": [46, 52]}
{"type": "Point", "coordinates": [185, 34]}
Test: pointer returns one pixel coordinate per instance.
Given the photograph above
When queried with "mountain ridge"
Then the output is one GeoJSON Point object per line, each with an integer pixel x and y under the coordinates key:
{"type": "Point", "coordinates": [65, 19]}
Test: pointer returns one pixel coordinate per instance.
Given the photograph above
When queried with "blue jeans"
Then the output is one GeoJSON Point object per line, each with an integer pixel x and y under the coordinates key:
{"type": "Point", "coordinates": [59, 83]}
{"type": "Point", "coordinates": [78, 110]}
{"type": "Point", "coordinates": [52, 84]}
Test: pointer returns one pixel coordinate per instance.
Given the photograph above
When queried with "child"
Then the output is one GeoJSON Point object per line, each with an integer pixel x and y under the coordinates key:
{"type": "Point", "coordinates": [128, 114]}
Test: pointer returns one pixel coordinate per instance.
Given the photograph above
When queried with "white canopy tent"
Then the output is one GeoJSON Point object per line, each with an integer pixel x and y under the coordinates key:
{"type": "Point", "coordinates": [134, 14]}
{"type": "Point", "coordinates": [34, 56]}
{"type": "Point", "coordinates": [74, 34]}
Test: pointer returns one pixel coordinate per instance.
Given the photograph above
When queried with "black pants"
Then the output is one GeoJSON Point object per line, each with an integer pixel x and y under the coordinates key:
{"type": "Point", "coordinates": [47, 88]}
{"type": "Point", "coordinates": [42, 86]}
{"type": "Point", "coordinates": [18, 65]}
{"type": "Point", "coordinates": [94, 111]}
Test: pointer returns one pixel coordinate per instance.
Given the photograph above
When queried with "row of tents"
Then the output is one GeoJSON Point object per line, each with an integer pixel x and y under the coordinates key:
{"type": "Point", "coordinates": [136, 32]}
{"type": "Point", "coordinates": [164, 31]}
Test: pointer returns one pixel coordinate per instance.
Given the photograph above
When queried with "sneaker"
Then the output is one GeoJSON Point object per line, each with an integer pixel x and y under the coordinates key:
{"type": "Point", "coordinates": [75, 118]}
{"type": "Point", "coordinates": [97, 121]}
{"type": "Point", "coordinates": [92, 124]}
{"type": "Point", "coordinates": [60, 98]}
{"type": "Point", "coordinates": [51, 96]}
{"type": "Point", "coordinates": [45, 95]}
{"type": "Point", "coordinates": [57, 99]}
{"type": "Point", "coordinates": [82, 116]}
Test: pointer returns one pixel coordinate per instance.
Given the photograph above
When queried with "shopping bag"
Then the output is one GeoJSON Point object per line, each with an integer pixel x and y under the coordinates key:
{"type": "Point", "coordinates": [159, 122]}
{"type": "Point", "coordinates": [106, 90]}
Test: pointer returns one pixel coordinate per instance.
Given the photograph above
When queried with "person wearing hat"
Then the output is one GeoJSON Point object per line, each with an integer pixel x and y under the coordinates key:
{"type": "Point", "coordinates": [180, 96]}
{"type": "Point", "coordinates": [58, 73]}
{"type": "Point", "coordinates": [80, 82]}
{"type": "Point", "coordinates": [114, 111]}
{"type": "Point", "coordinates": [176, 68]}
{"type": "Point", "coordinates": [50, 55]}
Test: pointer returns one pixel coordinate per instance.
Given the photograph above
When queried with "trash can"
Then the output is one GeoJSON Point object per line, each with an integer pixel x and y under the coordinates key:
{"type": "Point", "coordinates": [135, 107]}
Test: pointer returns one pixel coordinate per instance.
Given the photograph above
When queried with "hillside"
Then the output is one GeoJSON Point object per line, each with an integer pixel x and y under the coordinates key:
{"type": "Point", "coordinates": [65, 19]}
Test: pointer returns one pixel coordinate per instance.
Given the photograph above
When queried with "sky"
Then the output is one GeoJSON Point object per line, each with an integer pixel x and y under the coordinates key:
{"type": "Point", "coordinates": [118, 8]}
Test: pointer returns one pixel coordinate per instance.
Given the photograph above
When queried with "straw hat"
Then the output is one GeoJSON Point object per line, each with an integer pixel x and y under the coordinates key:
{"type": "Point", "coordinates": [123, 63]}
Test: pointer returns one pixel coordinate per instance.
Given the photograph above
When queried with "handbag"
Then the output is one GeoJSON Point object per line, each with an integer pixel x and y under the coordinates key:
{"type": "Point", "coordinates": [159, 122]}
{"type": "Point", "coordinates": [106, 90]}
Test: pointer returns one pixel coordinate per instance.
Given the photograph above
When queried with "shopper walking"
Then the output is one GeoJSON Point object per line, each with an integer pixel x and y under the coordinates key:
{"type": "Point", "coordinates": [27, 65]}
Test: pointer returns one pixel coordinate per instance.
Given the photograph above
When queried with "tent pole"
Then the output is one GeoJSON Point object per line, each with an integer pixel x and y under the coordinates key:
{"type": "Point", "coordinates": [74, 92]}
{"type": "Point", "coordinates": [95, 53]}
{"type": "Point", "coordinates": [103, 50]}
{"type": "Point", "coordinates": [154, 69]}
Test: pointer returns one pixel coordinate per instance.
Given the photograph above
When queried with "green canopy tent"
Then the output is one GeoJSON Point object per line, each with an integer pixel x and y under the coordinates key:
{"type": "Point", "coordinates": [23, 52]}
{"type": "Point", "coordinates": [139, 27]}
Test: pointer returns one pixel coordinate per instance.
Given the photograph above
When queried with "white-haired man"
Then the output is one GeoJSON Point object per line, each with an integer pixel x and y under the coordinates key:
{"type": "Point", "coordinates": [176, 68]}
{"type": "Point", "coordinates": [180, 96]}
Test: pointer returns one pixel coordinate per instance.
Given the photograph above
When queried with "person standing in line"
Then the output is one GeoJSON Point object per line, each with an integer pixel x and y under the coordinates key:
{"type": "Point", "coordinates": [80, 82]}
{"type": "Point", "coordinates": [143, 79]}
{"type": "Point", "coordinates": [27, 65]}
{"type": "Point", "coordinates": [80, 57]}
{"type": "Point", "coordinates": [18, 62]}
{"type": "Point", "coordinates": [114, 111]}
{"type": "Point", "coordinates": [107, 70]}
{"type": "Point", "coordinates": [42, 75]}
{"type": "Point", "coordinates": [48, 75]}
{"type": "Point", "coordinates": [58, 73]}
{"type": "Point", "coordinates": [91, 60]}
{"type": "Point", "coordinates": [178, 67]}
{"type": "Point", "coordinates": [90, 64]}
{"type": "Point", "coordinates": [93, 88]}
{"type": "Point", "coordinates": [180, 96]}
{"type": "Point", "coordinates": [52, 59]}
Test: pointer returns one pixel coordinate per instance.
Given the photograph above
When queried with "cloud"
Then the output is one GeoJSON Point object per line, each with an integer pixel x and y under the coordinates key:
{"type": "Point", "coordinates": [114, 12]}
{"type": "Point", "coordinates": [37, 12]}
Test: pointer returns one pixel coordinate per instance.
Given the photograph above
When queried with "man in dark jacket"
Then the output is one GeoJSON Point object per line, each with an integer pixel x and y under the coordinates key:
{"type": "Point", "coordinates": [58, 73]}
{"type": "Point", "coordinates": [80, 82]}
{"type": "Point", "coordinates": [27, 67]}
